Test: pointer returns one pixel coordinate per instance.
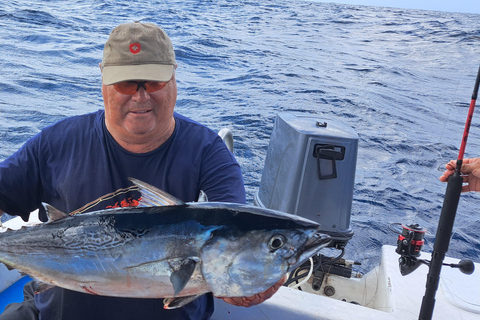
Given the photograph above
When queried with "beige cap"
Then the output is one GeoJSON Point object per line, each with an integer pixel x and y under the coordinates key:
{"type": "Point", "coordinates": [138, 51]}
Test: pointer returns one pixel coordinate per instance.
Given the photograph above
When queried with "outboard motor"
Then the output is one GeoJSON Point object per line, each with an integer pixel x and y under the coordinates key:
{"type": "Point", "coordinates": [310, 171]}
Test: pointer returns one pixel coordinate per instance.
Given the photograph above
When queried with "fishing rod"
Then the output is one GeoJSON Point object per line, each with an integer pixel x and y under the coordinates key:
{"type": "Point", "coordinates": [447, 218]}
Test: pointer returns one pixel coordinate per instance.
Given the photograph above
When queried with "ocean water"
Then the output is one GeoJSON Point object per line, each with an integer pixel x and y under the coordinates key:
{"type": "Point", "coordinates": [402, 79]}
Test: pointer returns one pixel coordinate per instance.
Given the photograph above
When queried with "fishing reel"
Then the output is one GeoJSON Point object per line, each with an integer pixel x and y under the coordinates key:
{"type": "Point", "coordinates": [409, 245]}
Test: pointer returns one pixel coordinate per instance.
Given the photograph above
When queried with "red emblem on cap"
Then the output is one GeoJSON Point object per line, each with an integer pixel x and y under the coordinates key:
{"type": "Point", "coordinates": [135, 48]}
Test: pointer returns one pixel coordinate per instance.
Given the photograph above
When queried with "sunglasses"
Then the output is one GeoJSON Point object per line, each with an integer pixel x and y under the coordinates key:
{"type": "Point", "coordinates": [132, 87]}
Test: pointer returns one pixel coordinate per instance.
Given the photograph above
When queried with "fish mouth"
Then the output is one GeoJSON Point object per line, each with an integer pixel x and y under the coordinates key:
{"type": "Point", "coordinates": [314, 244]}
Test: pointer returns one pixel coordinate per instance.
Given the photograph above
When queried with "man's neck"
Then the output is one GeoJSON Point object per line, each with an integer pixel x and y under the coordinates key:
{"type": "Point", "coordinates": [144, 143]}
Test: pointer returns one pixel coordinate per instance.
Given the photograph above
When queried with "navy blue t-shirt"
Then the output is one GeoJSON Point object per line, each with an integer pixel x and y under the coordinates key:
{"type": "Point", "coordinates": [76, 161]}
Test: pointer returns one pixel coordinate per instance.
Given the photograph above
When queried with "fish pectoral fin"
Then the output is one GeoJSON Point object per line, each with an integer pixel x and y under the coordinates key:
{"type": "Point", "coordinates": [152, 196]}
{"type": "Point", "coordinates": [174, 303]}
{"type": "Point", "coordinates": [43, 286]}
{"type": "Point", "coordinates": [53, 213]}
{"type": "Point", "coordinates": [182, 272]}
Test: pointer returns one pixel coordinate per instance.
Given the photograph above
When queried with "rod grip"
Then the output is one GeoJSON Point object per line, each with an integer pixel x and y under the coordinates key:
{"type": "Point", "coordinates": [449, 210]}
{"type": "Point", "coordinates": [442, 241]}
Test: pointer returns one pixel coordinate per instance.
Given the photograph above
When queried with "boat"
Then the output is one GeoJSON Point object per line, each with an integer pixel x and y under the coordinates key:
{"type": "Point", "coordinates": [309, 171]}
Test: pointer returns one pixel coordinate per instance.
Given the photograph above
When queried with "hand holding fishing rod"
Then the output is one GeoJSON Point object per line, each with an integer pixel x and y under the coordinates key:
{"type": "Point", "coordinates": [470, 171]}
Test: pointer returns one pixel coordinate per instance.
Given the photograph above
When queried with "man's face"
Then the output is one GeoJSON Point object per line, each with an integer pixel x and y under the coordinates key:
{"type": "Point", "coordinates": [139, 117]}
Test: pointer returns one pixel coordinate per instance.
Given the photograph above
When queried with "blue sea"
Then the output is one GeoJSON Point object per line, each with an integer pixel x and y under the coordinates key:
{"type": "Point", "coordinates": [402, 79]}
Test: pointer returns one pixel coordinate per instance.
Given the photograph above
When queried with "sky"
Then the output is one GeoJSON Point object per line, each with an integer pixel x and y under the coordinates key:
{"type": "Point", "coordinates": [469, 6]}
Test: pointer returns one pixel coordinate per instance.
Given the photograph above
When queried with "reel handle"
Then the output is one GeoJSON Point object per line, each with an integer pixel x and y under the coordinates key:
{"type": "Point", "coordinates": [466, 266]}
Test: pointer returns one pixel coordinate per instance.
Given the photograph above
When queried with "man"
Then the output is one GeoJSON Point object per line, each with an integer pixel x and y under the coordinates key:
{"type": "Point", "coordinates": [138, 135]}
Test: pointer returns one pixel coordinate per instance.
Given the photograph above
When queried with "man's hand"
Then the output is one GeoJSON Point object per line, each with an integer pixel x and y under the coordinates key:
{"type": "Point", "coordinates": [258, 298]}
{"type": "Point", "coordinates": [471, 171]}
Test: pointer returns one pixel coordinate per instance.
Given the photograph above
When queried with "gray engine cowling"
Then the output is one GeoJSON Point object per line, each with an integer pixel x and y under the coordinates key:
{"type": "Point", "coordinates": [310, 171]}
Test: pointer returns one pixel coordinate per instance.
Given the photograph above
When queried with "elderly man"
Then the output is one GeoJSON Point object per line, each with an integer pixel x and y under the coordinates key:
{"type": "Point", "coordinates": [138, 135]}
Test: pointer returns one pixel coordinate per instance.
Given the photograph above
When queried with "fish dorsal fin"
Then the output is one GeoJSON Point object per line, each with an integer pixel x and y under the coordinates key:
{"type": "Point", "coordinates": [202, 197]}
{"type": "Point", "coordinates": [53, 213]}
{"type": "Point", "coordinates": [153, 197]}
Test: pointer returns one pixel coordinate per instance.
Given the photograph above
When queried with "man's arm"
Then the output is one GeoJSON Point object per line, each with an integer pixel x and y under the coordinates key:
{"type": "Point", "coordinates": [20, 185]}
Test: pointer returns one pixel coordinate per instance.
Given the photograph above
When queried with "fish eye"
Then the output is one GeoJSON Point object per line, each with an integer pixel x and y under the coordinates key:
{"type": "Point", "coordinates": [276, 242]}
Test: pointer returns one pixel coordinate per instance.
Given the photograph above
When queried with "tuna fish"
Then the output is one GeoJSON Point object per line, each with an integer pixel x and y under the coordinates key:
{"type": "Point", "coordinates": [163, 249]}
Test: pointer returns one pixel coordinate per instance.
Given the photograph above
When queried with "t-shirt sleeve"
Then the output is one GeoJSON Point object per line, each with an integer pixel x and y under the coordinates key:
{"type": "Point", "coordinates": [20, 190]}
{"type": "Point", "coordinates": [221, 178]}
